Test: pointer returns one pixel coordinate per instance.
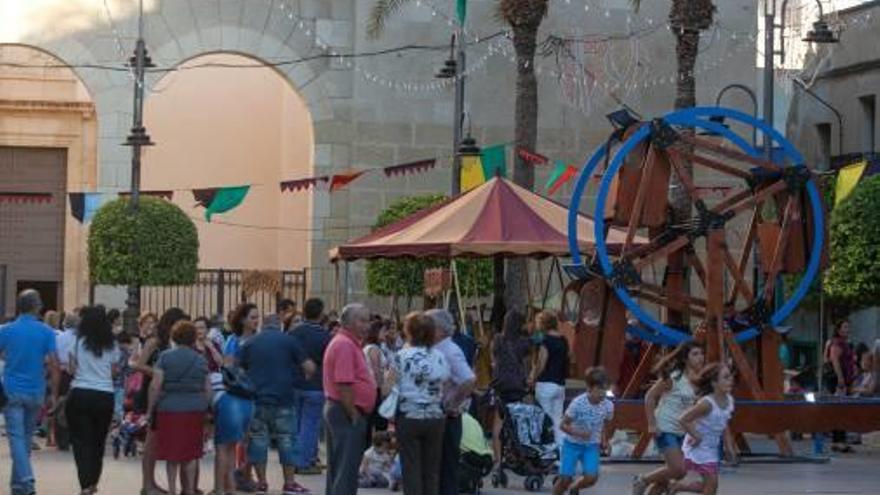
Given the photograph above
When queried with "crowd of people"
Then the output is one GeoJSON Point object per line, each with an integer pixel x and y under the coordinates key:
{"type": "Point", "coordinates": [388, 402]}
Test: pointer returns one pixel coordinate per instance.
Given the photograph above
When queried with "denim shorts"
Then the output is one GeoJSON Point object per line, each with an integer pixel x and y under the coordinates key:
{"type": "Point", "coordinates": [586, 454]}
{"type": "Point", "coordinates": [272, 425]}
{"type": "Point", "coordinates": [232, 418]}
{"type": "Point", "coordinates": [665, 441]}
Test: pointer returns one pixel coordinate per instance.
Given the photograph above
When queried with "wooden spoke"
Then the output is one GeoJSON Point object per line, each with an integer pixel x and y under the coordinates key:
{"type": "Point", "coordinates": [731, 200]}
{"type": "Point", "coordinates": [679, 243]}
{"type": "Point", "coordinates": [791, 209]}
{"type": "Point", "coordinates": [743, 368]}
{"type": "Point", "coordinates": [739, 283]}
{"type": "Point", "coordinates": [639, 203]}
{"type": "Point", "coordinates": [730, 153]}
{"type": "Point", "coordinates": [675, 296]}
{"type": "Point", "coordinates": [695, 262]}
{"type": "Point", "coordinates": [747, 250]}
{"type": "Point", "coordinates": [710, 163]}
{"type": "Point", "coordinates": [667, 302]}
{"type": "Point", "coordinates": [641, 373]}
{"type": "Point", "coordinates": [754, 200]}
{"type": "Point", "coordinates": [682, 174]}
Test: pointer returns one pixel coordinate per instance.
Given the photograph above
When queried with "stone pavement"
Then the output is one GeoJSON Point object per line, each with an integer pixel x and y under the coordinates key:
{"type": "Point", "coordinates": [851, 474]}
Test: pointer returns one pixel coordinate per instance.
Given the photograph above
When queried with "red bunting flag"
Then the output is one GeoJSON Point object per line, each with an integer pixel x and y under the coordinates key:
{"type": "Point", "coordinates": [303, 184]}
{"type": "Point", "coordinates": [407, 168]}
{"type": "Point", "coordinates": [533, 158]}
{"type": "Point", "coordinates": [565, 175]}
{"type": "Point", "coordinates": [339, 181]}
{"type": "Point", "coordinates": [25, 197]}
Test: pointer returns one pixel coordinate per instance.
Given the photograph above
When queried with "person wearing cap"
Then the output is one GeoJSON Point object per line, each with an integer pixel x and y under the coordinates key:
{"type": "Point", "coordinates": [459, 388]}
{"type": "Point", "coordinates": [268, 358]}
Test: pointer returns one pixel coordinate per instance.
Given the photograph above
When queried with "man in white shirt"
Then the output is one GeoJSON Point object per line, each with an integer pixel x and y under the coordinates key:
{"type": "Point", "coordinates": [65, 339]}
{"type": "Point", "coordinates": [458, 390]}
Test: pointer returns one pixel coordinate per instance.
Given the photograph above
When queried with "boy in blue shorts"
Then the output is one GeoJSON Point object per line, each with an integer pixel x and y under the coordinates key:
{"type": "Point", "coordinates": [584, 425]}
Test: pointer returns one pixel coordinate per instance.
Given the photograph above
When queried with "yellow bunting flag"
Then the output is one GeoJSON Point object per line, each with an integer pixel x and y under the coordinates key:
{"type": "Point", "coordinates": [471, 173]}
{"type": "Point", "coordinates": [847, 179]}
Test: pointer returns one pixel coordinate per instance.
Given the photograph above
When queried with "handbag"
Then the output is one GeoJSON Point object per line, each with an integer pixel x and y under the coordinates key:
{"type": "Point", "coordinates": [388, 408]}
{"type": "Point", "coordinates": [237, 383]}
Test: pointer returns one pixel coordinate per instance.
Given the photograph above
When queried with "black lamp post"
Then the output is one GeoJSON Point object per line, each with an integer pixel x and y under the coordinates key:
{"type": "Point", "coordinates": [454, 68]}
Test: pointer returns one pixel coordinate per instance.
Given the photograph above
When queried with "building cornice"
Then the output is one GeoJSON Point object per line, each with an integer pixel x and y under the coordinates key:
{"type": "Point", "coordinates": [85, 108]}
{"type": "Point", "coordinates": [847, 70]}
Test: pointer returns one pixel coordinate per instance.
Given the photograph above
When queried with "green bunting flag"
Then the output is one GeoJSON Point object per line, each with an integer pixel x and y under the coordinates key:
{"type": "Point", "coordinates": [494, 160]}
{"type": "Point", "coordinates": [221, 199]}
{"type": "Point", "coordinates": [561, 174]}
{"type": "Point", "coordinates": [461, 10]}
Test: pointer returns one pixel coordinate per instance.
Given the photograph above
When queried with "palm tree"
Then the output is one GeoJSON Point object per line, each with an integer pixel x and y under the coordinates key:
{"type": "Point", "coordinates": [687, 18]}
{"type": "Point", "coordinates": [524, 18]}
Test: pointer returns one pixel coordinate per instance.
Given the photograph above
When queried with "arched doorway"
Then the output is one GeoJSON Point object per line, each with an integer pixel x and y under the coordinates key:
{"type": "Point", "coordinates": [219, 125]}
{"type": "Point", "coordinates": [48, 147]}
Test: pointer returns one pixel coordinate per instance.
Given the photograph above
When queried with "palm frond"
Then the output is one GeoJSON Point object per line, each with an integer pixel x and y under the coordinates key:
{"type": "Point", "coordinates": [382, 10]}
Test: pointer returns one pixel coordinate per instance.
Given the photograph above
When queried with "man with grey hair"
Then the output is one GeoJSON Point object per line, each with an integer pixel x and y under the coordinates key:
{"type": "Point", "coordinates": [28, 347]}
{"type": "Point", "coordinates": [458, 389]}
{"type": "Point", "coordinates": [351, 396]}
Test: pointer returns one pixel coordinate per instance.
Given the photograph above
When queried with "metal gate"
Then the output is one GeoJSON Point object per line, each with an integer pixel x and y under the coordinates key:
{"type": "Point", "coordinates": [217, 291]}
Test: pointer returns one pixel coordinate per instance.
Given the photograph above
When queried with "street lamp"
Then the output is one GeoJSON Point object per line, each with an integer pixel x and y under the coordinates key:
{"type": "Point", "coordinates": [752, 96]}
{"type": "Point", "coordinates": [820, 33]}
{"type": "Point", "coordinates": [454, 68]}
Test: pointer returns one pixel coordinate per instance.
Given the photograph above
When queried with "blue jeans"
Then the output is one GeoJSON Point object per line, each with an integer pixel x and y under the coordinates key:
{"type": "Point", "coordinates": [309, 406]}
{"type": "Point", "coordinates": [21, 421]}
{"type": "Point", "coordinates": [276, 423]}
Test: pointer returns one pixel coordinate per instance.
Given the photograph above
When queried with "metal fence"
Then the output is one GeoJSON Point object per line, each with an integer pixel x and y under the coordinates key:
{"type": "Point", "coordinates": [217, 291]}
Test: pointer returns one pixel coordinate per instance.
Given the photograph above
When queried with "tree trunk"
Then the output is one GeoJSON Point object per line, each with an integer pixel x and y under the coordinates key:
{"type": "Point", "coordinates": [686, 51]}
{"type": "Point", "coordinates": [525, 34]}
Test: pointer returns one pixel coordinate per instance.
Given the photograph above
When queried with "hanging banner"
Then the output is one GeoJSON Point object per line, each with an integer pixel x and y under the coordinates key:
{"type": "Point", "coordinates": [410, 168]}
{"type": "Point", "coordinates": [220, 199]}
{"type": "Point", "coordinates": [83, 206]}
{"type": "Point", "coordinates": [471, 173]}
{"type": "Point", "coordinates": [339, 181]}
{"type": "Point", "coordinates": [533, 158]}
{"type": "Point", "coordinates": [461, 11]}
{"type": "Point", "coordinates": [847, 179]}
{"type": "Point", "coordinates": [25, 197]}
{"type": "Point", "coordinates": [494, 159]}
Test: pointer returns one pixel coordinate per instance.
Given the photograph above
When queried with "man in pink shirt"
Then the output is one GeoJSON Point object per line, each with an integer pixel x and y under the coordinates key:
{"type": "Point", "coordinates": [351, 395]}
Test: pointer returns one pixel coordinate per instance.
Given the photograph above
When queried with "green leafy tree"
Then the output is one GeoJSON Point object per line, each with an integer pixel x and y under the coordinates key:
{"type": "Point", "coordinates": [405, 277]}
{"type": "Point", "coordinates": [158, 246]}
{"type": "Point", "coordinates": [853, 280]}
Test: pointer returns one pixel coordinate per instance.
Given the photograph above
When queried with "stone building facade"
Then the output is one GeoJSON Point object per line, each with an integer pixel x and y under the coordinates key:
{"type": "Point", "coordinates": [377, 110]}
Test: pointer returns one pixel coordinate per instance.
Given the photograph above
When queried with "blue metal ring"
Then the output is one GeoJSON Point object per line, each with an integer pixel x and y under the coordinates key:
{"type": "Point", "coordinates": [697, 118]}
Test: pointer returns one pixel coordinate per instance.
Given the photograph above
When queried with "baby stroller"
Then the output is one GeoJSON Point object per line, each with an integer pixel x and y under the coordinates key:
{"type": "Point", "coordinates": [528, 446]}
{"type": "Point", "coordinates": [476, 460]}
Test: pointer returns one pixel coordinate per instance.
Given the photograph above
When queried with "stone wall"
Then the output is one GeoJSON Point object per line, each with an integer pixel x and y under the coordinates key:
{"type": "Point", "coordinates": [359, 121]}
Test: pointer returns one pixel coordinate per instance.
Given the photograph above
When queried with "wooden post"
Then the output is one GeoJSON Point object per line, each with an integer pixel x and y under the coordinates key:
{"type": "Point", "coordinates": [716, 246]}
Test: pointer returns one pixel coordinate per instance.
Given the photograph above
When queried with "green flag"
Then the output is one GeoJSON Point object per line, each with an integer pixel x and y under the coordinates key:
{"type": "Point", "coordinates": [494, 160]}
{"type": "Point", "coordinates": [461, 10]}
{"type": "Point", "coordinates": [225, 199]}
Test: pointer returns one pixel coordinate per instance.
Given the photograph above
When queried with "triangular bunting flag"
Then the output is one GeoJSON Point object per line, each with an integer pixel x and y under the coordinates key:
{"type": "Point", "coordinates": [494, 160]}
{"type": "Point", "coordinates": [412, 167]}
{"type": "Point", "coordinates": [471, 172]}
{"type": "Point", "coordinates": [339, 181]}
{"type": "Point", "coordinates": [220, 199]}
{"type": "Point", "coordinates": [83, 206]}
{"type": "Point", "coordinates": [561, 174]}
{"type": "Point", "coordinates": [25, 197]}
{"type": "Point", "coordinates": [847, 179]}
{"type": "Point", "coordinates": [461, 10]}
{"type": "Point", "coordinates": [302, 184]}
{"type": "Point", "coordinates": [533, 158]}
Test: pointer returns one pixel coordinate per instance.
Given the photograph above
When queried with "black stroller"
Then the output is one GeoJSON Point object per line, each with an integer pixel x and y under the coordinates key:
{"type": "Point", "coordinates": [528, 446]}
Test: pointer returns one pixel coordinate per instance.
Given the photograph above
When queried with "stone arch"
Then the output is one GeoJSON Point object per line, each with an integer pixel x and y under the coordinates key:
{"type": "Point", "coordinates": [49, 134]}
{"type": "Point", "coordinates": [222, 126]}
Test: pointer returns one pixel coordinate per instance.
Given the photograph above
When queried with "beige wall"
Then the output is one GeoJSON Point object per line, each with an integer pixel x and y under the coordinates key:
{"type": "Point", "coordinates": [218, 126]}
{"type": "Point", "coordinates": [50, 107]}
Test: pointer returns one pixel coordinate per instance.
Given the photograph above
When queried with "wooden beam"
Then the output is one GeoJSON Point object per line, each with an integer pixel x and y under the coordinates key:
{"type": "Point", "coordinates": [695, 262]}
{"type": "Point", "coordinates": [712, 164]}
{"type": "Point", "coordinates": [679, 243]}
{"type": "Point", "coordinates": [747, 250]}
{"type": "Point", "coordinates": [642, 372]}
{"type": "Point", "coordinates": [715, 247]}
{"type": "Point", "coordinates": [686, 178]}
{"type": "Point", "coordinates": [704, 144]}
{"type": "Point", "coordinates": [639, 203]}
{"type": "Point", "coordinates": [739, 283]}
{"type": "Point", "coordinates": [791, 209]}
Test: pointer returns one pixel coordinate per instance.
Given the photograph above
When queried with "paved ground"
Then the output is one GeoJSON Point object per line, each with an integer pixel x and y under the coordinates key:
{"type": "Point", "coordinates": [852, 474]}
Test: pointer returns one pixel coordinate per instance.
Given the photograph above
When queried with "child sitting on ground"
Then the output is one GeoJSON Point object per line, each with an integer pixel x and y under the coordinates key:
{"type": "Point", "coordinates": [375, 468]}
{"type": "Point", "coordinates": [705, 423]}
{"type": "Point", "coordinates": [584, 425]}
